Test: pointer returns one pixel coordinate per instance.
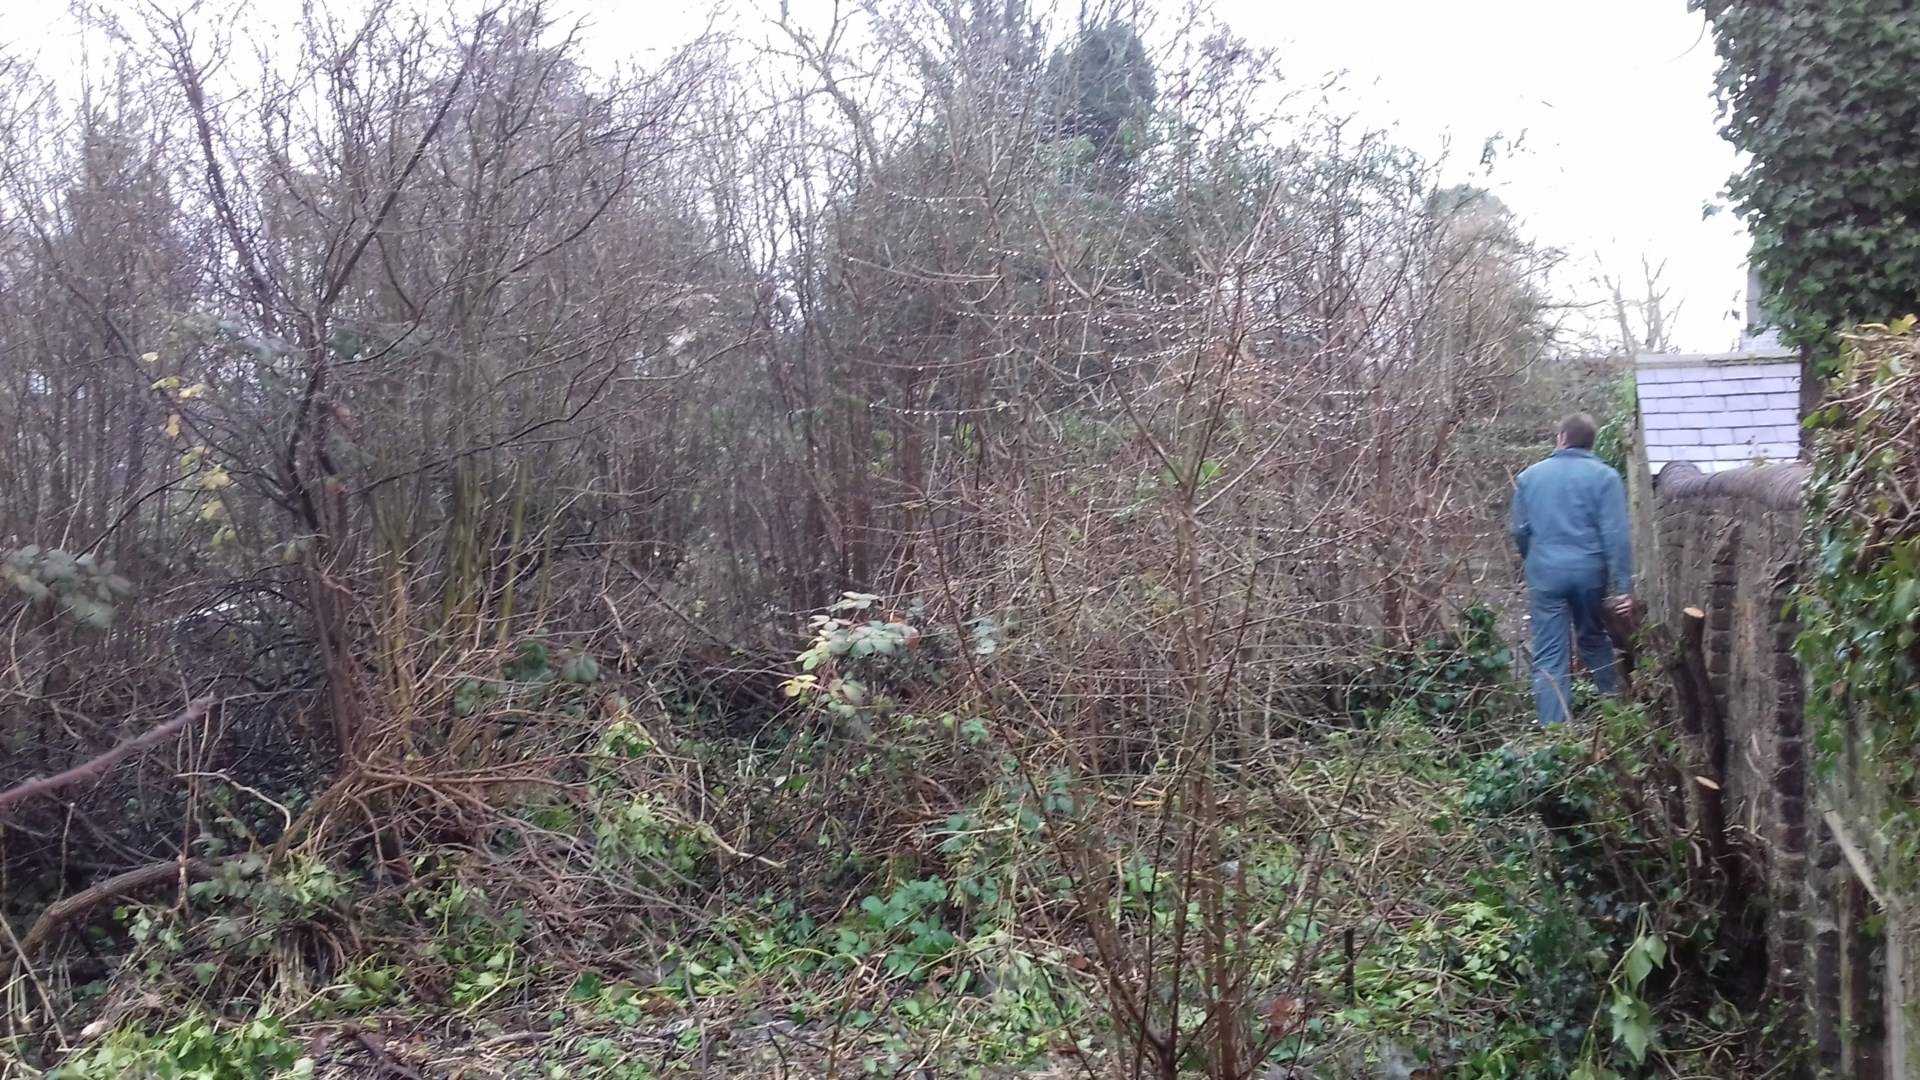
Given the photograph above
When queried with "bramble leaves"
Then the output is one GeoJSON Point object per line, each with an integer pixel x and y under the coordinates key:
{"type": "Point", "coordinates": [82, 586]}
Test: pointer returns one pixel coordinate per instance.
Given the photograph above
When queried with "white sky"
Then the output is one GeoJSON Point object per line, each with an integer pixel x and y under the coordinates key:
{"type": "Point", "coordinates": [1609, 100]}
{"type": "Point", "coordinates": [1612, 100]}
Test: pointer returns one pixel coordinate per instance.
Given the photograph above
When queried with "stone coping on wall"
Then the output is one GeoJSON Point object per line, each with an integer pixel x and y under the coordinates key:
{"type": "Point", "coordinates": [1776, 487]}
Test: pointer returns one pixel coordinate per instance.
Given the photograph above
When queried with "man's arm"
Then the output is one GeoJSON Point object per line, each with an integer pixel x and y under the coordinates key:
{"type": "Point", "coordinates": [1520, 527]}
{"type": "Point", "coordinates": [1616, 541]}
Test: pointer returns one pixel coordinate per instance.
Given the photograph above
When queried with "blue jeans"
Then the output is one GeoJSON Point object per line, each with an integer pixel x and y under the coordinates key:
{"type": "Point", "coordinates": [1567, 606]}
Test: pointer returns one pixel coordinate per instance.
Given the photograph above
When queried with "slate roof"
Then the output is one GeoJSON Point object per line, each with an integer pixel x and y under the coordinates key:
{"type": "Point", "coordinates": [1719, 410]}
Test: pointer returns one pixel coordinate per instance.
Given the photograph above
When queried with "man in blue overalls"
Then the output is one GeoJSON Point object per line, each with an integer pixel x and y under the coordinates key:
{"type": "Point", "coordinates": [1570, 524]}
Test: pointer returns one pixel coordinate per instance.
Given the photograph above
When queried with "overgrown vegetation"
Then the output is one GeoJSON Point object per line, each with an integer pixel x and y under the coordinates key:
{"type": "Point", "coordinates": [899, 545]}
{"type": "Point", "coordinates": [1817, 96]}
{"type": "Point", "coordinates": [1860, 612]}
{"type": "Point", "coordinates": [1512, 915]}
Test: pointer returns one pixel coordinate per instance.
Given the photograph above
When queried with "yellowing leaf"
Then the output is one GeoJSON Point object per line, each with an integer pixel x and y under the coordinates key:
{"type": "Point", "coordinates": [150, 358]}
{"type": "Point", "coordinates": [213, 511]}
{"type": "Point", "coordinates": [171, 382]}
{"type": "Point", "coordinates": [194, 391]}
{"type": "Point", "coordinates": [173, 426]}
{"type": "Point", "coordinates": [215, 479]}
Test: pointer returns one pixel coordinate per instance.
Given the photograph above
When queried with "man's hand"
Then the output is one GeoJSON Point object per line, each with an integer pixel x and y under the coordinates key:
{"type": "Point", "coordinates": [1620, 615]}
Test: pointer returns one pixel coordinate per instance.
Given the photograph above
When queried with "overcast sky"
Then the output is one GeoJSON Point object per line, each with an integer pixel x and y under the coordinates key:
{"type": "Point", "coordinates": [1610, 102]}
{"type": "Point", "coordinates": [1621, 151]}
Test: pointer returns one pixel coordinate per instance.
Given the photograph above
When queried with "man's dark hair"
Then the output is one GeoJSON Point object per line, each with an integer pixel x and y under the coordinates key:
{"type": "Point", "coordinates": [1577, 431]}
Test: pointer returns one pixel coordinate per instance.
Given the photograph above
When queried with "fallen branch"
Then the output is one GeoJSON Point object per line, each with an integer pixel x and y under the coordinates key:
{"type": "Point", "coordinates": [97, 767]}
{"type": "Point", "coordinates": [62, 912]}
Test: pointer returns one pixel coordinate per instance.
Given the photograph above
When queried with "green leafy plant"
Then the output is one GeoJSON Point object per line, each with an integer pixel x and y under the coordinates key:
{"type": "Point", "coordinates": [635, 830]}
{"type": "Point", "coordinates": [1859, 610]}
{"type": "Point", "coordinates": [301, 889]}
{"type": "Point", "coordinates": [81, 586]}
{"type": "Point", "coordinates": [1818, 97]}
{"type": "Point", "coordinates": [1632, 1024]}
{"type": "Point", "coordinates": [906, 923]}
{"type": "Point", "coordinates": [1613, 440]}
{"type": "Point", "coordinates": [532, 673]}
{"type": "Point", "coordinates": [843, 642]}
{"type": "Point", "coordinates": [481, 948]}
{"type": "Point", "coordinates": [196, 1048]}
{"type": "Point", "coordinates": [365, 985]}
{"type": "Point", "coordinates": [1600, 900]}
{"type": "Point", "coordinates": [1460, 680]}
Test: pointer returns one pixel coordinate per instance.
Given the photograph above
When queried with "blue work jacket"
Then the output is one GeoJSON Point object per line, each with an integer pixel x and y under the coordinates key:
{"type": "Point", "coordinates": [1570, 520]}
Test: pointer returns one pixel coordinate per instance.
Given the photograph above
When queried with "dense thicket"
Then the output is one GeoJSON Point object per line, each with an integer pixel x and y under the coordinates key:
{"type": "Point", "coordinates": [476, 432]}
{"type": "Point", "coordinates": [442, 335]}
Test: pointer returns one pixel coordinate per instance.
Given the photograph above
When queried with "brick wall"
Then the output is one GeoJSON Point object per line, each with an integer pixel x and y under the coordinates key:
{"type": "Point", "coordinates": [1729, 544]}
{"type": "Point", "coordinates": [1732, 544]}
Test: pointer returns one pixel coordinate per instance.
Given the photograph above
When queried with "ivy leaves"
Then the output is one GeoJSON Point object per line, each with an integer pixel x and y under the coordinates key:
{"type": "Point", "coordinates": [1631, 1019]}
{"type": "Point", "coordinates": [1647, 952]}
{"type": "Point", "coordinates": [1820, 98]}
{"type": "Point", "coordinates": [1859, 611]}
{"type": "Point", "coordinates": [1633, 1025]}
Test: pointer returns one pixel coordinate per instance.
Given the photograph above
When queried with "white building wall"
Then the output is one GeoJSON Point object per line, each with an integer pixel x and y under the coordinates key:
{"type": "Point", "coordinates": [1719, 411]}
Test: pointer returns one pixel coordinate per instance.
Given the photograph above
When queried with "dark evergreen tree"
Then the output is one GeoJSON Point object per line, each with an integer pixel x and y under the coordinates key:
{"type": "Point", "coordinates": [1106, 86]}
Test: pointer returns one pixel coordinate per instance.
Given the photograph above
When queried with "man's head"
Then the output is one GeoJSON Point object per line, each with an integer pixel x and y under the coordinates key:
{"type": "Point", "coordinates": [1576, 432]}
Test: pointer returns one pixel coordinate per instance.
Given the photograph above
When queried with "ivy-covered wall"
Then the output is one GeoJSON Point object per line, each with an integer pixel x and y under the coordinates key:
{"type": "Point", "coordinates": [1861, 647]}
{"type": "Point", "coordinates": [1819, 721]}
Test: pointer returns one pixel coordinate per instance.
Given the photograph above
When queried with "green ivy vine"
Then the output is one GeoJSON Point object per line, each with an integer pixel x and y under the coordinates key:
{"type": "Point", "coordinates": [1819, 96]}
{"type": "Point", "coordinates": [1860, 609]}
